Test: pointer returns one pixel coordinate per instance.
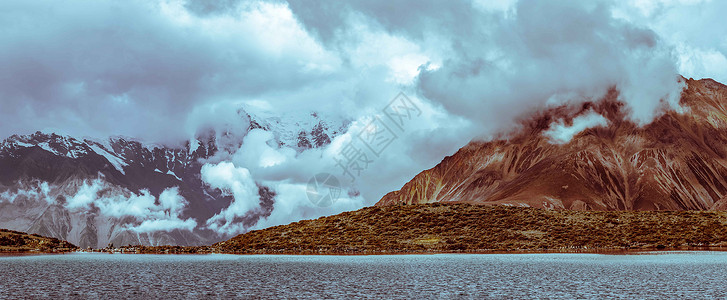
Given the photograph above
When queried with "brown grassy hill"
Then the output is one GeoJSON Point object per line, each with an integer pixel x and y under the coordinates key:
{"type": "Point", "coordinates": [442, 227]}
{"type": "Point", "coordinates": [15, 241]}
{"type": "Point", "coordinates": [677, 162]}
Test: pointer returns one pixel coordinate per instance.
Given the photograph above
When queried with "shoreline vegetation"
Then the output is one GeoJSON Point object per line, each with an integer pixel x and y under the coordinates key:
{"type": "Point", "coordinates": [465, 228]}
{"type": "Point", "coordinates": [20, 242]}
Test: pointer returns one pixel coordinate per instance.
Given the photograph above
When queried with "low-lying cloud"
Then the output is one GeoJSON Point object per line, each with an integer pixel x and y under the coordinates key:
{"type": "Point", "coordinates": [237, 182]}
{"type": "Point", "coordinates": [560, 133]}
{"type": "Point", "coordinates": [150, 214]}
{"type": "Point", "coordinates": [33, 190]}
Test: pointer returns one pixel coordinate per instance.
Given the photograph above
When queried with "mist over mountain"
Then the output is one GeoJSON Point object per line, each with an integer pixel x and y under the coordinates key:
{"type": "Point", "coordinates": [123, 191]}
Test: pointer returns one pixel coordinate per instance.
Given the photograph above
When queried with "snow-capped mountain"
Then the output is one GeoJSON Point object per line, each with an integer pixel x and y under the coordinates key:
{"type": "Point", "coordinates": [299, 131]}
{"type": "Point", "coordinates": [119, 190]}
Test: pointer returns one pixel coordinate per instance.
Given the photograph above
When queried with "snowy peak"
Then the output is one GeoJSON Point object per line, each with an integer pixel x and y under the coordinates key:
{"type": "Point", "coordinates": [300, 131]}
{"type": "Point", "coordinates": [121, 152]}
{"type": "Point", "coordinates": [56, 144]}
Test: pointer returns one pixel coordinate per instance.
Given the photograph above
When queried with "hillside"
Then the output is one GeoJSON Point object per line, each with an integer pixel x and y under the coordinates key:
{"type": "Point", "coordinates": [676, 162]}
{"type": "Point", "coordinates": [15, 241]}
{"type": "Point", "coordinates": [438, 227]}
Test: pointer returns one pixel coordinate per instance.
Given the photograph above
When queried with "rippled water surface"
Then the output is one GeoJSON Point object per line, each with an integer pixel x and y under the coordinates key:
{"type": "Point", "coordinates": [654, 275]}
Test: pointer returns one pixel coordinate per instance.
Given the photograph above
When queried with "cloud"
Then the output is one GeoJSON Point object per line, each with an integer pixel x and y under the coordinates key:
{"type": "Point", "coordinates": [473, 69]}
{"type": "Point", "coordinates": [100, 198]}
{"type": "Point", "coordinates": [86, 195]}
{"type": "Point", "coordinates": [172, 71]}
{"type": "Point", "coordinates": [224, 122]}
{"type": "Point", "coordinates": [139, 68]}
{"type": "Point", "coordinates": [292, 205]}
{"type": "Point", "coordinates": [700, 63]}
{"type": "Point", "coordinates": [238, 183]}
{"type": "Point", "coordinates": [148, 226]}
{"type": "Point", "coordinates": [550, 49]}
{"type": "Point", "coordinates": [151, 214]}
{"type": "Point", "coordinates": [693, 27]}
{"type": "Point", "coordinates": [33, 190]}
{"type": "Point", "coordinates": [560, 133]}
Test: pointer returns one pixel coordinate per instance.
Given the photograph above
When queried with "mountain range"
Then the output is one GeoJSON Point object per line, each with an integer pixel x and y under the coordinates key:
{"type": "Point", "coordinates": [122, 191]}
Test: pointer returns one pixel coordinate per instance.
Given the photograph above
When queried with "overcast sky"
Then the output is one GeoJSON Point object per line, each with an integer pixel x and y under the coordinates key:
{"type": "Point", "coordinates": [158, 70]}
{"type": "Point", "coordinates": [139, 68]}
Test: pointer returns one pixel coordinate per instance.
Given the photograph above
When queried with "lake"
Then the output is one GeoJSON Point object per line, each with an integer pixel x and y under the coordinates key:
{"type": "Point", "coordinates": [444, 276]}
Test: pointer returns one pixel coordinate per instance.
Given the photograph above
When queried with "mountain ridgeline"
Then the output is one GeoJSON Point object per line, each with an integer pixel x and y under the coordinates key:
{"type": "Point", "coordinates": [676, 162]}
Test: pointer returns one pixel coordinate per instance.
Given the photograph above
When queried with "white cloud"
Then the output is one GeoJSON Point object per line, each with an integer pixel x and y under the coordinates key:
{"type": "Point", "coordinates": [560, 133]}
{"type": "Point", "coordinates": [87, 193]}
{"type": "Point", "coordinates": [156, 225]}
{"type": "Point", "coordinates": [139, 68]}
{"type": "Point", "coordinates": [33, 191]}
{"type": "Point", "coordinates": [292, 204]}
{"type": "Point", "coordinates": [238, 183]}
{"type": "Point", "coordinates": [174, 70]}
{"type": "Point", "coordinates": [116, 203]}
{"type": "Point", "coordinates": [257, 151]}
{"type": "Point", "coordinates": [692, 27]}
{"type": "Point", "coordinates": [98, 197]}
{"type": "Point", "coordinates": [702, 63]}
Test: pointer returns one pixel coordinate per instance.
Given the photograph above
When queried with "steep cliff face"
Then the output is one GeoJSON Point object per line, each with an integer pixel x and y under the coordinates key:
{"type": "Point", "coordinates": [677, 162]}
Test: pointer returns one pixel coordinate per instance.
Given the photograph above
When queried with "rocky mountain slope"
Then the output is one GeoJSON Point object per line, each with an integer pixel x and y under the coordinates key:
{"type": "Point", "coordinates": [89, 191]}
{"type": "Point", "coordinates": [676, 162]}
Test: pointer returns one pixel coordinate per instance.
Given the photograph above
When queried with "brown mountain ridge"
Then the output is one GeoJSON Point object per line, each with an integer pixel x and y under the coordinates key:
{"type": "Point", "coordinates": [676, 162]}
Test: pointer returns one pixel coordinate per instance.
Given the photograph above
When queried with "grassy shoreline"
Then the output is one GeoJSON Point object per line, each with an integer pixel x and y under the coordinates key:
{"type": "Point", "coordinates": [605, 251]}
{"type": "Point", "coordinates": [464, 228]}
{"type": "Point", "coordinates": [20, 242]}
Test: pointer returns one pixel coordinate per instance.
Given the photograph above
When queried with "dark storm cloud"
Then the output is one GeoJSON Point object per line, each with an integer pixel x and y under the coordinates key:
{"type": "Point", "coordinates": [139, 68]}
